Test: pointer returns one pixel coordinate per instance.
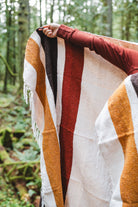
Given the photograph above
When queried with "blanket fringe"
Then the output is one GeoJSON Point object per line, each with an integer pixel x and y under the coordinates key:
{"type": "Point", "coordinates": [26, 91]}
{"type": "Point", "coordinates": [43, 201]}
{"type": "Point", "coordinates": [28, 96]}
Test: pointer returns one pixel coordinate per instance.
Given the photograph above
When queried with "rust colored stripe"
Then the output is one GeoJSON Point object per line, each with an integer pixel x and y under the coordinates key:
{"type": "Point", "coordinates": [70, 102]}
{"type": "Point", "coordinates": [120, 111]}
{"type": "Point", "coordinates": [50, 142]}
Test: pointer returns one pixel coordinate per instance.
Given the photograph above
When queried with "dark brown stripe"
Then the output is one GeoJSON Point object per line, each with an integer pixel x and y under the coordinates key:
{"type": "Point", "coordinates": [134, 80]}
{"type": "Point", "coordinates": [50, 48]}
{"type": "Point", "coordinates": [70, 102]}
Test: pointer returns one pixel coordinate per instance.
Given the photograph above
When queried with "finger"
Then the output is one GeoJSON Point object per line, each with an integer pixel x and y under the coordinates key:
{"type": "Point", "coordinates": [47, 31]}
{"type": "Point", "coordinates": [49, 34]}
{"type": "Point", "coordinates": [40, 29]}
{"type": "Point", "coordinates": [46, 26]}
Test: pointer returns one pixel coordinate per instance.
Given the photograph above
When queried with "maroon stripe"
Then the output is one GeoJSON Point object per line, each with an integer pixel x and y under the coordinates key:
{"type": "Point", "coordinates": [70, 102]}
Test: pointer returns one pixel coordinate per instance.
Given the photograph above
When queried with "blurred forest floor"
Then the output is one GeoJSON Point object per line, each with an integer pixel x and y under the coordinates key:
{"type": "Point", "coordinates": [20, 181]}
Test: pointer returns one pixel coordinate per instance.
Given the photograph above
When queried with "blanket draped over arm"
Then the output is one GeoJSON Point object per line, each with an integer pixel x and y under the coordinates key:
{"type": "Point", "coordinates": [85, 119]}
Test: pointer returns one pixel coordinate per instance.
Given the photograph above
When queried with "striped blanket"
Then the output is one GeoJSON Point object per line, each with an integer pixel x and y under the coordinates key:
{"type": "Point", "coordinates": [85, 119]}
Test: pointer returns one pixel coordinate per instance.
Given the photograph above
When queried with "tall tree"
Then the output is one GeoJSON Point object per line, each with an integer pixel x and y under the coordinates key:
{"type": "Point", "coordinates": [136, 19]}
{"type": "Point", "coordinates": [59, 10]}
{"type": "Point", "coordinates": [40, 3]}
{"type": "Point", "coordinates": [8, 28]}
{"type": "Point", "coordinates": [64, 10]}
{"type": "Point", "coordinates": [46, 12]}
{"type": "Point", "coordinates": [109, 18]}
{"type": "Point", "coordinates": [22, 35]}
{"type": "Point", "coordinates": [34, 17]}
{"type": "Point", "coordinates": [103, 17]}
{"type": "Point", "coordinates": [122, 20]}
{"type": "Point", "coordinates": [52, 10]}
{"type": "Point", "coordinates": [13, 39]}
{"type": "Point", "coordinates": [127, 20]}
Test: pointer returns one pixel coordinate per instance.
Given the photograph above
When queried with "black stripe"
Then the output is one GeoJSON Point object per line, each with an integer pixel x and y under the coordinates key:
{"type": "Point", "coordinates": [134, 80]}
{"type": "Point", "coordinates": [40, 204]}
{"type": "Point", "coordinates": [50, 48]}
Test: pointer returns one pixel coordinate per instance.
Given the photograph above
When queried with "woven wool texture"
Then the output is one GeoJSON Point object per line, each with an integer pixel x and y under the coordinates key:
{"type": "Point", "coordinates": [85, 119]}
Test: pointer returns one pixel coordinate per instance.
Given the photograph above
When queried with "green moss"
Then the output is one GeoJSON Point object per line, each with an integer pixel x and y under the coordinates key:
{"type": "Point", "coordinates": [8, 197]}
{"type": "Point", "coordinates": [6, 139]}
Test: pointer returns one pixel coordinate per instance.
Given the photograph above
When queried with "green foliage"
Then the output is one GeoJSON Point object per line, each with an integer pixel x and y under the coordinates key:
{"type": "Point", "coordinates": [8, 197]}
{"type": "Point", "coordinates": [27, 155]}
{"type": "Point", "coordinates": [34, 183]}
{"type": "Point", "coordinates": [6, 139]}
{"type": "Point", "coordinates": [19, 117]}
{"type": "Point", "coordinates": [5, 100]}
{"type": "Point", "coordinates": [31, 192]}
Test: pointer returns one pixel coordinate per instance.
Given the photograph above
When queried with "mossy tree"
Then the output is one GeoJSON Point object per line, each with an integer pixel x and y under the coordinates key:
{"type": "Point", "coordinates": [10, 54]}
{"type": "Point", "coordinates": [8, 33]}
{"type": "Point", "coordinates": [23, 33]}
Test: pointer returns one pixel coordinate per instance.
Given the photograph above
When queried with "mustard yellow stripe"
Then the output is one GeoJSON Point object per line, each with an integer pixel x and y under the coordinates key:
{"type": "Point", "coordinates": [51, 149]}
{"type": "Point", "coordinates": [130, 205]}
{"type": "Point", "coordinates": [32, 56]}
{"type": "Point", "coordinates": [52, 156]}
{"type": "Point", "coordinates": [120, 112]}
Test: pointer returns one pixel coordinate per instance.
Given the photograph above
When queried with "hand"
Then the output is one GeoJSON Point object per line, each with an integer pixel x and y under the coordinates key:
{"type": "Point", "coordinates": [50, 30]}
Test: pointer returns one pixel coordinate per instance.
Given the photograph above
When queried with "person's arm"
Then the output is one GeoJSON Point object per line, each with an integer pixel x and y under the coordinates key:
{"type": "Point", "coordinates": [123, 58]}
{"type": "Point", "coordinates": [126, 59]}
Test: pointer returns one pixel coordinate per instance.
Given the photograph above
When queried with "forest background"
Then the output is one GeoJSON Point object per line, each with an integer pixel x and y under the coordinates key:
{"type": "Point", "coordinates": [20, 181]}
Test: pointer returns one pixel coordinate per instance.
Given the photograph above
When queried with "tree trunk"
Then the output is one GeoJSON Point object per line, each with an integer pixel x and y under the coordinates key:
{"type": "Point", "coordinates": [64, 11]}
{"type": "Point", "coordinates": [8, 25]}
{"type": "Point", "coordinates": [22, 36]}
{"type": "Point", "coordinates": [122, 22]}
{"type": "Point", "coordinates": [92, 22]}
{"type": "Point", "coordinates": [109, 18]}
{"type": "Point", "coordinates": [104, 18]}
{"type": "Point", "coordinates": [29, 17]}
{"type": "Point", "coordinates": [52, 11]}
{"type": "Point", "coordinates": [14, 58]}
{"type": "Point", "coordinates": [135, 1]}
{"type": "Point", "coordinates": [127, 22]}
{"type": "Point", "coordinates": [40, 2]}
{"type": "Point", "coordinates": [46, 11]}
{"type": "Point", "coordinates": [13, 42]}
{"type": "Point", "coordinates": [59, 10]}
